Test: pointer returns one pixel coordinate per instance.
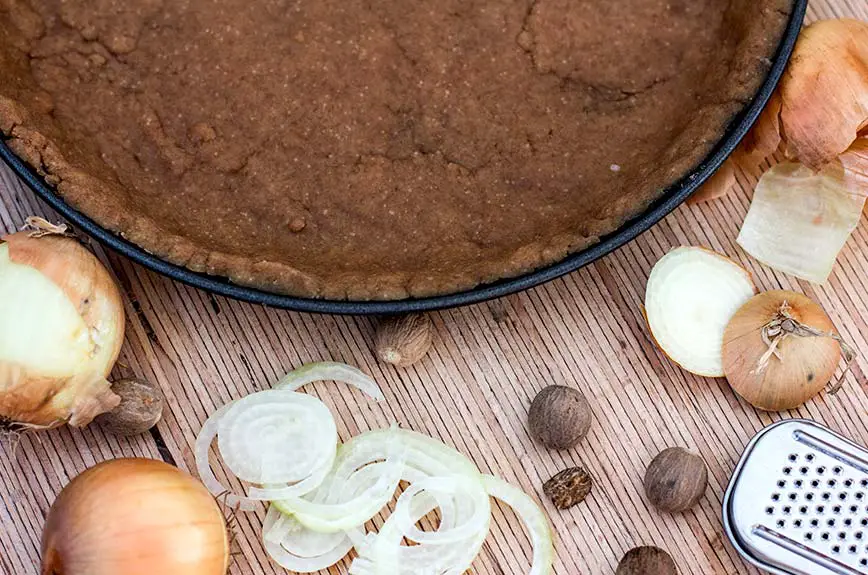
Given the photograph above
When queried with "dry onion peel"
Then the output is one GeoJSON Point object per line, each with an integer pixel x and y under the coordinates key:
{"type": "Point", "coordinates": [855, 164]}
{"type": "Point", "coordinates": [134, 517]}
{"type": "Point", "coordinates": [717, 186]}
{"type": "Point", "coordinates": [824, 91]}
{"type": "Point", "coordinates": [780, 350]}
{"type": "Point", "coordinates": [690, 297]}
{"type": "Point", "coordinates": [61, 328]}
{"type": "Point", "coordinates": [314, 530]}
{"type": "Point", "coordinates": [798, 221]}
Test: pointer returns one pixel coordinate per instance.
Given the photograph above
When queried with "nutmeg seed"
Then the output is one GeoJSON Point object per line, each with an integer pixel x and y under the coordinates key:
{"type": "Point", "coordinates": [646, 560]}
{"type": "Point", "coordinates": [569, 487]}
{"type": "Point", "coordinates": [403, 340]}
{"type": "Point", "coordinates": [140, 409]}
{"type": "Point", "coordinates": [676, 480]}
{"type": "Point", "coordinates": [559, 417]}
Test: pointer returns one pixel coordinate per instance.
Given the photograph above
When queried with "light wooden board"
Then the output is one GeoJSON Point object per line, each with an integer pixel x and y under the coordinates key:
{"type": "Point", "coordinates": [472, 392]}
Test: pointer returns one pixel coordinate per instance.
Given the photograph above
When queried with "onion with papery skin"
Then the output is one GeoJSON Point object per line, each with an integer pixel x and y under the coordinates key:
{"type": "Point", "coordinates": [135, 517]}
{"type": "Point", "coordinates": [690, 296]}
{"type": "Point", "coordinates": [61, 328]}
{"type": "Point", "coordinates": [780, 349]}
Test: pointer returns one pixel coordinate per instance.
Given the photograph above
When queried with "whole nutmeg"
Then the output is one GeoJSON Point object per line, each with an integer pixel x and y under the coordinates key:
{"type": "Point", "coordinates": [569, 487]}
{"type": "Point", "coordinates": [403, 340]}
{"type": "Point", "coordinates": [675, 480]}
{"type": "Point", "coordinates": [140, 408]}
{"type": "Point", "coordinates": [647, 560]}
{"type": "Point", "coordinates": [559, 417]}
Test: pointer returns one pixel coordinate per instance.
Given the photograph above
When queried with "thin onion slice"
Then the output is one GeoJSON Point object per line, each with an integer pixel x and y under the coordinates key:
{"type": "Point", "coordinates": [354, 494]}
{"type": "Point", "coordinates": [269, 437]}
{"type": "Point", "coordinates": [281, 552]}
{"type": "Point", "coordinates": [449, 549]}
{"type": "Point", "coordinates": [206, 474]}
{"type": "Point", "coordinates": [534, 520]}
{"type": "Point", "coordinates": [799, 220]}
{"type": "Point", "coordinates": [691, 295]}
{"type": "Point", "coordinates": [278, 436]}
{"type": "Point", "coordinates": [331, 371]}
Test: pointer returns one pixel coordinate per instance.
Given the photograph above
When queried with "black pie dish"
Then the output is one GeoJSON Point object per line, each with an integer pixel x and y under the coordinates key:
{"type": "Point", "coordinates": [671, 198]}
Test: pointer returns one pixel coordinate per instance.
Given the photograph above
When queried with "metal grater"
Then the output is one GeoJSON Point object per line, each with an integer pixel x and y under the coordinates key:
{"type": "Point", "coordinates": [797, 503]}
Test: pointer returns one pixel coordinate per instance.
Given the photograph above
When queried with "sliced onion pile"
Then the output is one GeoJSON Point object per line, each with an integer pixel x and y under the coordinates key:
{"type": "Point", "coordinates": [284, 446]}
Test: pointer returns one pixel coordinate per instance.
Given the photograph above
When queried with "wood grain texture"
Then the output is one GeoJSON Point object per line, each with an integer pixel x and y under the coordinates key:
{"type": "Point", "coordinates": [472, 391]}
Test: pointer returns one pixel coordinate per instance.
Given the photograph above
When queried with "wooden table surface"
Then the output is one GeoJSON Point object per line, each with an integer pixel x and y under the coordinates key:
{"type": "Point", "coordinates": [472, 391]}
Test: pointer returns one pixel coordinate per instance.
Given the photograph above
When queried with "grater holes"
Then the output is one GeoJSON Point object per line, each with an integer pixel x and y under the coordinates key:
{"type": "Point", "coordinates": [827, 496]}
{"type": "Point", "coordinates": [851, 549]}
{"type": "Point", "coordinates": [792, 496]}
{"type": "Point", "coordinates": [858, 535]}
{"type": "Point", "coordinates": [803, 509]}
{"type": "Point", "coordinates": [836, 548]}
{"type": "Point", "coordinates": [837, 470]}
{"type": "Point", "coordinates": [781, 523]}
{"type": "Point", "coordinates": [848, 522]}
{"type": "Point", "coordinates": [798, 483]}
{"type": "Point", "coordinates": [853, 509]}
{"type": "Point", "coordinates": [815, 522]}
{"type": "Point", "coordinates": [842, 535]}
{"type": "Point", "coordinates": [864, 522]}
{"type": "Point", "coordinates": [787, 509]}
{"type": "Point", "coordinates": [863, 562]}
{"type": "Point", "coordinates": [793, 457]}
{"type": "Point", "coordinates": [776, 496]}
{"type": "Point", "coordinates": [859, 495]}
{"type": "Point", "coordinates": [864, 483]}
{"type": "Point", "coordinates": [848, 482]}
{"type": "Point", "coordinates": [803, 470]}
{"type": "Point", "coordinates": [842, 496]}
{"type": "Point", "coordinates": [830, 522]}
{"type": "Point", "coordinates": [809, 536]}
{"type": "Point", "coordinates": [809, 496]}
{"type": "Point", "coordinates": [815, 483]}
{"type": "Point", "coordinates": [797, 523]}
{"type": "Point", "coordinates": [821, 470]}
{"type": "Point", "coordinates": [770, 510]}
{"type": "Point", "coordinates": [809, 457]}
{"type": "Point", "coordinates": [824, 536]}
{"type": "Point", "coordinates": [831, 483]}
{"type": "Point", "coordinates": [820, 509]}
{"type": "Point", "coordinates": [782, 483]}
{"type": "Point", "coordinates": [836, 509]}
{"type": "Point", "coordinates": [787, 470]}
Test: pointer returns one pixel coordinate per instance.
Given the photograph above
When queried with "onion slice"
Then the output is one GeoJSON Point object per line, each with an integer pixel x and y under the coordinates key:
{"type": "Point", "coordinates": [799, 220]}
{"type": "Point", "coordinates": [691, 295]}
{"type": "Point", "coordinates": [281, 538]}
{"type": "Point", "coordinates": [534, 520]}
{"type": "Point", "coordinates": [285, 443]}
{"type": "Point", "coordinates": [331, 371]}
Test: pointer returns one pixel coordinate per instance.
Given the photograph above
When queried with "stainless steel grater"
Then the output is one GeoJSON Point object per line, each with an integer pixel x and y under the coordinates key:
{"type": "Point", "coordinates": [797, 503]}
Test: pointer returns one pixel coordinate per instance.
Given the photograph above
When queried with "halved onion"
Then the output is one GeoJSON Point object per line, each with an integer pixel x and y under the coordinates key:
{"type": "Point", "coordinates": [691, 295]}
